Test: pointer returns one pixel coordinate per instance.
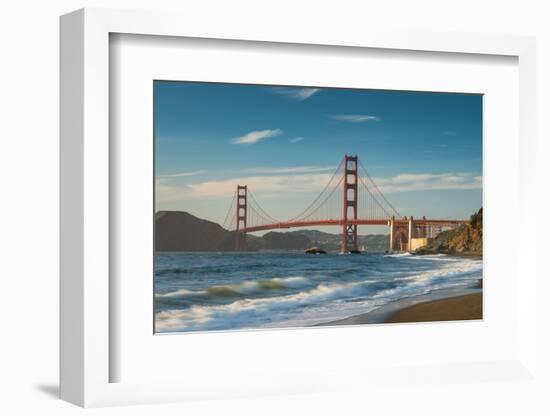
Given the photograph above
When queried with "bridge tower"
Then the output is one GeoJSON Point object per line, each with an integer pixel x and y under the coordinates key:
{"type": "Point", "coordinates": [391, 224]}
{"type": "Point", "coordinates": [349, 232]}
{"type": "Point", "coordinates": [411, 233]}
{"type": "Point", "coordinates": [400, 234]}
{"type": "Point", "coordinates": [240, 232]}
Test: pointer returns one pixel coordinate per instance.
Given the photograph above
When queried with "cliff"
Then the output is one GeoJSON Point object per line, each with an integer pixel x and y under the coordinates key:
{"type": "Point", "coordinates": [466, 239]}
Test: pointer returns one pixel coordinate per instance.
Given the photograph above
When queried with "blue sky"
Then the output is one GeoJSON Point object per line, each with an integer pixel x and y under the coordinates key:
{"type": "Point", "coordinates": [423, 149]}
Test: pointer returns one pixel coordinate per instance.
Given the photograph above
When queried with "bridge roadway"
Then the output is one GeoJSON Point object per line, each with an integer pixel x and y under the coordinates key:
{"type": "Point", "coordinates": [383, 221]}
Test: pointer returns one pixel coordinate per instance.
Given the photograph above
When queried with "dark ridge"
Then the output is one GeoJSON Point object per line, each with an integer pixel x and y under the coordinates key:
{"type": "Point", "coordinates": [181, 231]}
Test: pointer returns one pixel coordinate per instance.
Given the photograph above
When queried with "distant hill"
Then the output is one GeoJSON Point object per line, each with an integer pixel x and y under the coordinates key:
{"type": "Point", "coordinates": [332, 242]}
{"type": "Point", "coordinates": [181, 231]}
{"type": "Point", "coordinates": [466, 239]}
{"type": "Point", "coordinates": [286, 241]}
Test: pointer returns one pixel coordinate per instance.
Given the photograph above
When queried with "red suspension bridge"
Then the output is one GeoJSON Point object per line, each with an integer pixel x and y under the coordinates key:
{"type": "Point", "coordinates": [349, 199]}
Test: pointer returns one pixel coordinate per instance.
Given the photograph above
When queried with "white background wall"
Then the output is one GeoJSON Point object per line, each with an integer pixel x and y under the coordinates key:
{"type": "Point", "coordinates": [29, 204]}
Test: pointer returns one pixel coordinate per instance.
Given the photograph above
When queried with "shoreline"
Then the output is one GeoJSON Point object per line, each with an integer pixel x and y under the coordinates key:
{"type": "Point", "coordinates": [466, 254]}
{"type": "Point", "coordinates": [439, 305]}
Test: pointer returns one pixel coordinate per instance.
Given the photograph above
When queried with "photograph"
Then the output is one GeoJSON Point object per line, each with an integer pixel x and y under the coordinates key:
{"type": "Point", "coordinates": [304, 206]}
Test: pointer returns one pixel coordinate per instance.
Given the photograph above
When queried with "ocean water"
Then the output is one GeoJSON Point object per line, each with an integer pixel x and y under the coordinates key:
{"type": "Point", "coordinates": [226, 291]}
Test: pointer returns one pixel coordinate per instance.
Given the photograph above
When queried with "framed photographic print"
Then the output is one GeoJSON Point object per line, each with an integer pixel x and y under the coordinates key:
{"type": "Point", "coordinates": [224, 258]}
{"type": "Point", "coordinates": [266, 213]}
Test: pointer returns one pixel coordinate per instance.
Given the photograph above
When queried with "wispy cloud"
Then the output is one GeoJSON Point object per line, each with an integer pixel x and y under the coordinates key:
{"type": "Point", "coordinates": [256, 136]}
{"type": "Point", "coordinates": [266, 186]}
{"type": "Point", "coordinates": [274, 185]}
{"type": "Point", "coordinates": [277, 182]}
{"type": "Point", "coordinates": [294, 169]}
{"type": "Point", "coordinates": [296, 140]}
{"type": "Point", "coordinates": [296, 94]}
{"type": "Point", "coordinates": [450, 133]}
{"type": "Point", "coordinates": [183, 174]}
{"type": "Point", "coordinates": [407, 182]}
{"type": "Point", "coordinates": [355, 118]}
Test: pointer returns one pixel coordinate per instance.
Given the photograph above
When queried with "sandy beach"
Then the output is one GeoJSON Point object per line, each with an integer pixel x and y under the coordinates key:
{"type": "Point", "coordinates": [457, 308]}
{"type": "Point", "coordinates": [443, 305]}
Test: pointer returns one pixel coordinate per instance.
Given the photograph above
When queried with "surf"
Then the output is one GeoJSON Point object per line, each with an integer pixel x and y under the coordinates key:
{"type": "Point", "coordinates": [242, 288]}
{"type": "Point", "coordinates": [310, 292]}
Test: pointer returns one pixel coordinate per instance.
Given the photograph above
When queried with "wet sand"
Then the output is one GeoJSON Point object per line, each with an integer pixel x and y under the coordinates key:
{"type": "Point", "coordinates": [442, 305]}
{"type": "Point", "coordinates": [458, 308]}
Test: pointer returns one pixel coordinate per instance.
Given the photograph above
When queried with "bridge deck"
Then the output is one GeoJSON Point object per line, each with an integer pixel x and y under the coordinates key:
{"type": "Point", "coordinates": [397, 222]}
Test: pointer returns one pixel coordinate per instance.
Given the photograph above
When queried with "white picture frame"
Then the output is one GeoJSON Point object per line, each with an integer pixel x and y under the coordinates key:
{"type": "Point", "coordinates": [86, 355]}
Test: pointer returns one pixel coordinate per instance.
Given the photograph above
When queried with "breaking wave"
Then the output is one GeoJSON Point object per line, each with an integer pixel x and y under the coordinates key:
{"type": "Point", "coordinates": [243, 288]}
{"type": "Point", "coordinates": [257, 303]}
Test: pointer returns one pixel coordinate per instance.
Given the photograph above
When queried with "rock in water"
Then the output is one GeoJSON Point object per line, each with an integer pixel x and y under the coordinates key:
{"type": "Point", "coordinates": [315, 250]}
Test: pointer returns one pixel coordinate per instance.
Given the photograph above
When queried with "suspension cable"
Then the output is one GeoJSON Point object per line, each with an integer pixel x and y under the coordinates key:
{"type": "Point", "coordinates": [255, 215]}
{"type": "Point", "coordinates": [257, 210]}
{"type": "Point", "coordinates": [319, 195]}
{"type": "Point", "coordinates": [229, 210]}
{"type": "Point", "coordinates": [378, 190]}
{"type": "Point", "coordinates": [374, 198]}
{"type": "Point", "coordinates": [325, 200]}
{"type": "Point", "coordinates": [267, 216]}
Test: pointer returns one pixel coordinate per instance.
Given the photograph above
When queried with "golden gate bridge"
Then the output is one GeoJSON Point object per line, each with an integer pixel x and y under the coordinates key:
{"type": "Point", "coordinates": [349, 199]}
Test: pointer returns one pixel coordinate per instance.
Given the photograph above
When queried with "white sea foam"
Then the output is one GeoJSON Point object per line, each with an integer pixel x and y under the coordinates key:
{"type": "Point", "coordinates": [178, 293]}
{"type": "Point", "coordinates": [257, 303]}
{"type": "Point", "coordinates": [249, 312]}
{"type": "Point", "coordinates": [398, 255]}
{"type": "Point", "coordinates": [245, 310]}
{"type": "Point", "coordinates": [246, 287]}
